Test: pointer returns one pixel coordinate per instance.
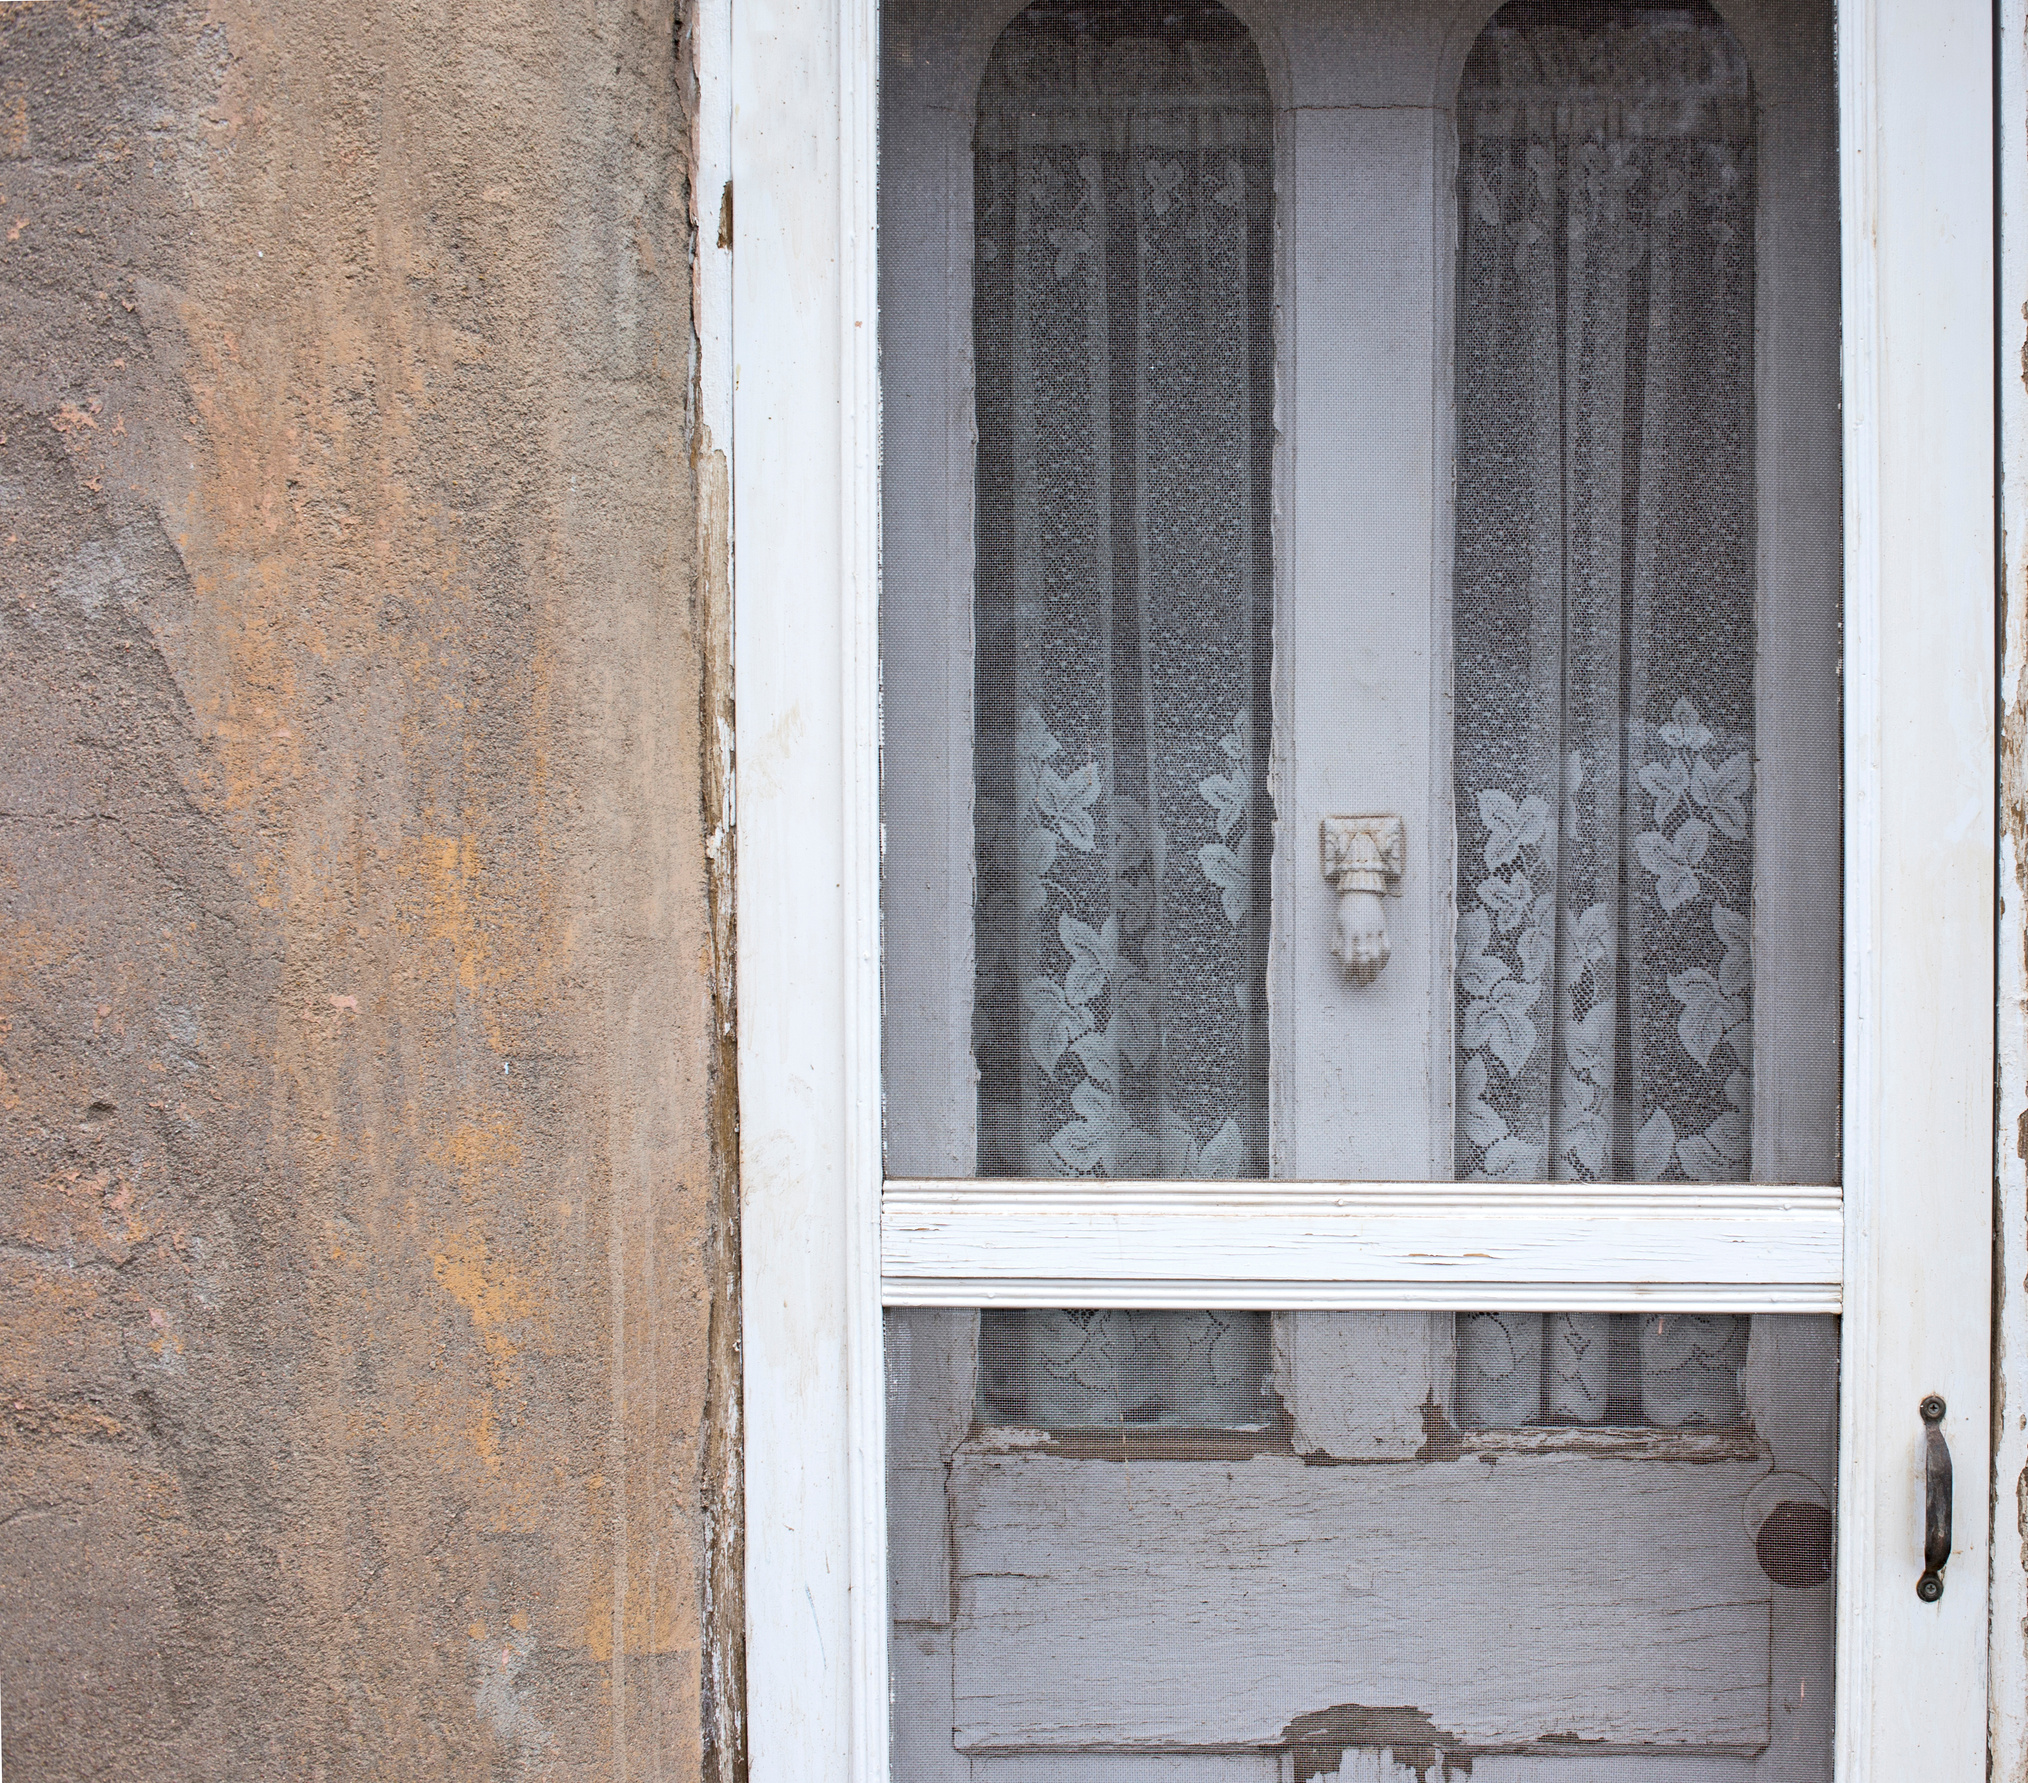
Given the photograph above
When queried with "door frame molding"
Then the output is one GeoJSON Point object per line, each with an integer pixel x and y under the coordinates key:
{"type": "Point", "coordinates": [795, 319]}
{"type": "Point", "coordinates": [2008, 1685]}
{"type": "Point", "coordinates": [1916, 206]}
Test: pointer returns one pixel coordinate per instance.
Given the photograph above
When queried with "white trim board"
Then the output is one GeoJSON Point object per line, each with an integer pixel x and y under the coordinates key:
{"type": "Point", "coordinates": [1915, 81]}
{"type": "Point", "coordinates": [2008, 1692]}
{"type": "Point", "coordinates": [1322, 1246]}
{"type": "Point", "coordinates": [806, 431]}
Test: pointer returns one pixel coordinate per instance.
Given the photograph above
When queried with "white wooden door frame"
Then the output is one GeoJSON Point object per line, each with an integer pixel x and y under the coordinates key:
{"type": "Point", "coordinates": [2008, 1689]}
{"type": "Point", "coordinates": [796, 319]}
{"type": "Point", "coordinates": [1916, 204]}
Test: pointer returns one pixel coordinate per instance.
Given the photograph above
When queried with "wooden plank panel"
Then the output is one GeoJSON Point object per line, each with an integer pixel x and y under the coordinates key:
{"type": "Point", "coordinates": [1545, 1598]}
{"type": "Point", "coordinates": [1130, 1767]}
{"type": "Point", "coordinates": [1631, 1246]}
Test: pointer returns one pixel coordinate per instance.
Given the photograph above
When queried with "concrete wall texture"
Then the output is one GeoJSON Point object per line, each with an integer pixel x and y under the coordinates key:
{"type": "Point", "coordinates": [365, 1283]}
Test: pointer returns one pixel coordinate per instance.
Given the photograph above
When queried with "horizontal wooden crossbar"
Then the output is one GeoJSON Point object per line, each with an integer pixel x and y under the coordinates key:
{"type": "Point", "coordinates": [1745, 1247]}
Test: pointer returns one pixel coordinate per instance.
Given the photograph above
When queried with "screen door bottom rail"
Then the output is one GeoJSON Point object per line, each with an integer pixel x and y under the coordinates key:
{"type": "Point", "coordinates": [1296, 1543]}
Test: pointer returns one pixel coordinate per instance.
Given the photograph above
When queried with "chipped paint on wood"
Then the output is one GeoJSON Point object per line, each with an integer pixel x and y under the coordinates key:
{"type": "Point", "coordinates": [1318, 1740]}
{"type": "Point", "coordinates": [1170, 1604]}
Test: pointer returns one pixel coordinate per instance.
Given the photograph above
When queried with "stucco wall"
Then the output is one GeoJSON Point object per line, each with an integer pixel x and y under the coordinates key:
{"type": "Point", "coordinates": [361, 1268]}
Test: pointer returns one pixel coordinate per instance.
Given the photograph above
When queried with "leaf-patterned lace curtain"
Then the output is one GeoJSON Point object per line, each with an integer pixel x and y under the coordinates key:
{"type": "Point", "coordinates": [1604, 647]}
{"type": "Point", "coordinates": [1123, 189]}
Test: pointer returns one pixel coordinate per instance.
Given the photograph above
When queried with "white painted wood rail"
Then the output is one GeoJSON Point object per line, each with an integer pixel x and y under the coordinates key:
{"type": "Point", "coordinates": [1744, 1247]}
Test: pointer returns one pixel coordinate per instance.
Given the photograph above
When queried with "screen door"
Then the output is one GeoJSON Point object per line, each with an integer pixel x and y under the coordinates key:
{"type": "Point", "coordinates": [1361, 670]}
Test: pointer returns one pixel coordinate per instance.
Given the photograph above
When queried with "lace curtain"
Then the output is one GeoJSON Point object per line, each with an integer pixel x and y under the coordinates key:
{"type": "Point", "coordinates": [1604, 654]}
{"type": "Point", "coordinates": [1123, 249]}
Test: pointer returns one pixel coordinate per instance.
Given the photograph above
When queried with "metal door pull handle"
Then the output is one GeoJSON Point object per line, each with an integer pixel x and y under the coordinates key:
{"type": "Point", "coordinates": [1936, 1505]}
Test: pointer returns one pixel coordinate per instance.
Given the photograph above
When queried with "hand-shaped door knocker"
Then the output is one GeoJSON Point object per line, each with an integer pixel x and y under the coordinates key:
{"type": "Point", "coordinates": [1363, 857]}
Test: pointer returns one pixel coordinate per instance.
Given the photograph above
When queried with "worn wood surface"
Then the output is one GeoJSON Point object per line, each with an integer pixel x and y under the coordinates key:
{"type": "Point", "coordinates": [931, 1358]}
{"type": "Point", "coordinates": [1180, 1603]}
{"type": "Point", "coordinates": [2008, 1690]}
{"type": "Point", "coordinates": [1696, 1247]}
{"type": "Point", "coordinates": [1131, 1767]}
{"type": "Point", "coordinates": [1356, 1383]}
{"type": "Point", "coordinates": [805, 419]}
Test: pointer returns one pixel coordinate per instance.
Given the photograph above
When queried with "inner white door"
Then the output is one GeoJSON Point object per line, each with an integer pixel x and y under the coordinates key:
{"type": "Point", "coordinates": [1363, 678]}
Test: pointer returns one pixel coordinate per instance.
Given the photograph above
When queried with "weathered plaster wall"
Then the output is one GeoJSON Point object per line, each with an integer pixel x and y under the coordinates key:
{"type": "Point", "coordinates": [359, 1247]}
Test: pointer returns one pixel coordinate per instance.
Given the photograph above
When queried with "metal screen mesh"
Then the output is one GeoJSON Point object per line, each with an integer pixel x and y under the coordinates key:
{"type": "Point", "coordinates": [1586, 709]}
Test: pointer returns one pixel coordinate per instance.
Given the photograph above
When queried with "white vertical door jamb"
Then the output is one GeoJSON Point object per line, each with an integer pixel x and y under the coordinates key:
{"type": "Point", "coordinates": [1915, 81]}
{"type": "Point", "coordinates": [2008, 1687]}
{"type": "Point", "coordinates": [802, 154]}
{"type": "Point", "coordinates": [859, 796]}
